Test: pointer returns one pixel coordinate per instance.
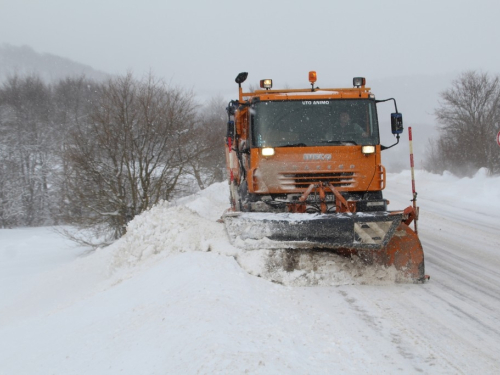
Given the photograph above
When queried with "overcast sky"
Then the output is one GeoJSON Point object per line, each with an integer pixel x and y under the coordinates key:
{"type": "Point", "coordinates": [204, 44]}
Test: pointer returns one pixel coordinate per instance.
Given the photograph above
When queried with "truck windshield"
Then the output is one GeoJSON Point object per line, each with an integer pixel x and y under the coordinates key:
{"type": "Point", "coordinates": [314, 123]}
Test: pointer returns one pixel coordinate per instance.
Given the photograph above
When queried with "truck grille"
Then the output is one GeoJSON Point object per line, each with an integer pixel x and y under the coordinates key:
{"type": "Point", "coordinates": [304, 179]}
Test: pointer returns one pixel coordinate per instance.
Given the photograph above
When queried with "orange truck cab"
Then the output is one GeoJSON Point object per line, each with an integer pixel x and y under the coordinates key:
{"type": "Point", "coordinates": [280, 143]}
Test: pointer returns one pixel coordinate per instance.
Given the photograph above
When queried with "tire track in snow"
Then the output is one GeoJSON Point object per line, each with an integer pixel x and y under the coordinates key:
{"type": "Point", "coordinates": [414, 346]}
{"type": "Point", "coordinates": [443, 253]}
{"type": "Point", "coordinates": [471, 317]}
{"type": "Point", "coordinates": [462, 273]}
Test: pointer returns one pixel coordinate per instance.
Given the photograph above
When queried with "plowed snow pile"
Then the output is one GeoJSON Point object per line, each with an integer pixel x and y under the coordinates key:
{"type": "Point", "coordinates": [190, 224]}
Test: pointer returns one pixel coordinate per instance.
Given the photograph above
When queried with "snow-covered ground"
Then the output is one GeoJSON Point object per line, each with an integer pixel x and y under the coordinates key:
{"type": "Point", "coordinates": [174, 297]}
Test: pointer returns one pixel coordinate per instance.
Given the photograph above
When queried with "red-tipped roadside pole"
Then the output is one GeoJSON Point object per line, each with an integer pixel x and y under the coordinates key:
{"type": "Point", "coordinates": [414, 200]}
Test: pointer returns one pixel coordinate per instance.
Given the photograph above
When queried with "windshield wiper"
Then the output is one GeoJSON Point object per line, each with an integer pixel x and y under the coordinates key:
{"type": "Point", "coordinates": [338, 142]}
{"type": "Point", "coordinates": [294, 145]}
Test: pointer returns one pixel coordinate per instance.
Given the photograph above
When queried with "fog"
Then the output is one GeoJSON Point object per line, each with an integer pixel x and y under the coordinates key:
{"type": "Point", "coordinates": [203, 45]}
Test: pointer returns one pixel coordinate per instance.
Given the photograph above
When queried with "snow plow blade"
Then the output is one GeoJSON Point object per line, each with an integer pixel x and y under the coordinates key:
{"type": "Point", "coordinates": [380, 237]}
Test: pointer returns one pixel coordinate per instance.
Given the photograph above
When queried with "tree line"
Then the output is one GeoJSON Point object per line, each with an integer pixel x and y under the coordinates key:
{"type": "Point", "coordinates": [95, 154]}
{"type": "Point", "coordinates": [469, 120]}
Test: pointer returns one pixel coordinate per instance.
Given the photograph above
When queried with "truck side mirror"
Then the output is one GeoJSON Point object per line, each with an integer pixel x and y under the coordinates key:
{"type": "Point", "coordinates": [396, 123]}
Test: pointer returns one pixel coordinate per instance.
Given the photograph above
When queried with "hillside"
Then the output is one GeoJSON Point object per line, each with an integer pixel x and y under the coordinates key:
{"type": "Point", "coordinates": [25, 60]}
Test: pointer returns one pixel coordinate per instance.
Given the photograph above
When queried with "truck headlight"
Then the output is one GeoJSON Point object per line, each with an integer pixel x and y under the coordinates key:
{"type": "Point", "coordinates": [267, 151]}
{"type": "Point", "coordinates": [368, 149]}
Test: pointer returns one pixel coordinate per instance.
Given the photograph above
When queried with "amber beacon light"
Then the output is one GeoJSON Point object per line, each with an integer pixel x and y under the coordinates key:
{"type": "Point", "coordinates": [312, 76]}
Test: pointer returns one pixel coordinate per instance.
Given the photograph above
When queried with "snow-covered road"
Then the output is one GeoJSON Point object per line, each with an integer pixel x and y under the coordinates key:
{"type": "Point", "coordinates": [175, 297]}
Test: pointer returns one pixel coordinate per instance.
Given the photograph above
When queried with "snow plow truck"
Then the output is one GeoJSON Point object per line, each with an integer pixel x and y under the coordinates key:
{"type": "Point", "coordinates": [305, 172]}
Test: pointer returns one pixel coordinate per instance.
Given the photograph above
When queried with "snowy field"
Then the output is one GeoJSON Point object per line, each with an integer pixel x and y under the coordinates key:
{"type": "Point", "coordinates": [174, 297]}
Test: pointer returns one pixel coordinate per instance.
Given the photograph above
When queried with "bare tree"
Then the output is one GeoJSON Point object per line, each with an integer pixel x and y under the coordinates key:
{"type": "Point", "coordinates": [26, 139]}
{"type": "Point", "coordinates": [11, 210]}
{"type": "Point", "coordinates": [73, 99]}
{"type": "Point", "coordinates": [129, 153]}
{"type": "Point", "coordinates": [207, 163]}
{"type": "Point", "coordinates": [96, 155]}
{"type": "Point", "coordinates": [469, 115]}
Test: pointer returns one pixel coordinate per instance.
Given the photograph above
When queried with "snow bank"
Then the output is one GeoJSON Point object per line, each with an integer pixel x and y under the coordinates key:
{"type": "Point", "coordinates": [190, 224]}
{"type": "Point", "coordinates": [481, 190]}
{"type": "Point", "coordinates": [173, 296]}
